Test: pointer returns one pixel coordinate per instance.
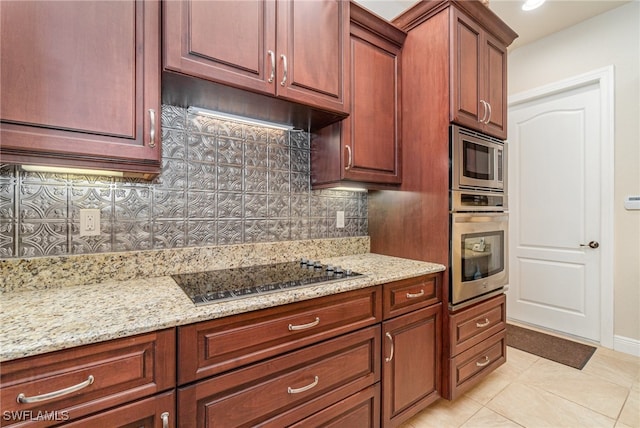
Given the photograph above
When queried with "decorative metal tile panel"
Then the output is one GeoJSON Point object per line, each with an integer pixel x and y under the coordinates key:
{"type": "Point", "coordinates": [222, 183]}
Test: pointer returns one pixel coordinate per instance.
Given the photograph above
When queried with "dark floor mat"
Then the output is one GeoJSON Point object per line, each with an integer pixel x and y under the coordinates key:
{"type": "Point", "coordinates": [553, 348]}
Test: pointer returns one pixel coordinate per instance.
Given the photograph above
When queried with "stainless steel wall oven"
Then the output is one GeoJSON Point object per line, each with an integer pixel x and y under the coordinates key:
{"type": "Point", "coordinates": [479, 219]}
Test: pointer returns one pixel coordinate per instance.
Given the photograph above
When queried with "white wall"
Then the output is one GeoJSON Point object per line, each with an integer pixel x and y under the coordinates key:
{"type": "Point", "coordinates": [612, 38]}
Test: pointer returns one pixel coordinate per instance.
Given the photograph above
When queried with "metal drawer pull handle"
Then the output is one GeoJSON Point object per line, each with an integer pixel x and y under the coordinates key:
{"type": "Point", "coordinates": [488, 118]}
{"type": "Point", "coordinates": [165, 419]}
{"type": "Point", "coordinates": [55, 394]}
{"type": "Point", "coordinates": [152, 128]}
{"type": "Point", "coordinates": [388, 359]}
{"type": "Point", "coordinates": [304, 326]}
{"type": "Point", "coordinates": [483, 363]}
{"type": "Point", "coordinates": [484, 113]}
{"type": "Point", "coordinates": [304, 388]}
{"type": "Point", "coordinates": [415, 295]}
{"type": "Point", "coordinates": [483, 324]}
{"type": "Point", "coordinates": [273, 65]}
{"type": "Point", "coordinates": [349, 157]}
{"type": "Point", "coordinates": [285, 70]}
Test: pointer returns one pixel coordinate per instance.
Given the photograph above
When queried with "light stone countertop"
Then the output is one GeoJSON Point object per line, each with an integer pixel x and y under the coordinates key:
{"type": "Point", "coordinates": [35, 321]}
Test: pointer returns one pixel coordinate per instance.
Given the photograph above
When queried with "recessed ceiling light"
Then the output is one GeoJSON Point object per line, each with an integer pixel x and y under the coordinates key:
{"type": "Point", "coordinates": [532, 4]}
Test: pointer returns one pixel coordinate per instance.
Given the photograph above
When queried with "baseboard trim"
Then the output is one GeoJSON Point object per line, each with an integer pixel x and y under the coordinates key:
{"type": "Point", "coordinates": [626, 345]}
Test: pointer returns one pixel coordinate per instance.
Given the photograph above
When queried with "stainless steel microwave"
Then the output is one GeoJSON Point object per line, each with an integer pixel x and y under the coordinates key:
{"type": "Point", "coordinates": [478, 161]}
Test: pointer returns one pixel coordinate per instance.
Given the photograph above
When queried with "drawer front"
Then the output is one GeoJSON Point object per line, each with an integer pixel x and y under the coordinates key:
{"type": "Point", "coordinates": [157, 411]}
{"type": "Point", "coordinates": [401, 297]}
{"type": "Point", "coordinates": [292, 386]}
{"type": "Point", "coordinates": [473, 325]}
{"type": "Point", "coordinates": [213, 347]}
{"type": "Point", "coordinates": [78, 381]}
{"type": "Point", "coordinates": [361, 410]}
{"type": "Point", "coordinates": [469, 367]}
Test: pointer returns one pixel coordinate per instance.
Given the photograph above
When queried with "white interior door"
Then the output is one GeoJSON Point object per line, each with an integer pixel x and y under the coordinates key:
{"type": "Point", "coordinates": [555, 211]}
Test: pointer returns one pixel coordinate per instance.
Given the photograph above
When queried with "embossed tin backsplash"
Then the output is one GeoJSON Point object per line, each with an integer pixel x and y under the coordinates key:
{"type": "Point", "coordinates": [222, 183]}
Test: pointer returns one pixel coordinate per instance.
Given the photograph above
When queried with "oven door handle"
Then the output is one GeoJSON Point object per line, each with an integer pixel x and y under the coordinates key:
{"type": "Point", "coordinates": [479, 217]}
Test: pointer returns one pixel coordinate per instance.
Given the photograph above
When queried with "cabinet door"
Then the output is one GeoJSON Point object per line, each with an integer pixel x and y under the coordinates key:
{"type": "Point", "coordinates": [372, 132]}
{"type": "Point", "coordinates": [154, 412]}
{"type": "Point", "coordinates": [230, 42]}
{"type": "Point", "coordinates": [366, 147]}
{"type": "Point", "coordinates": [313, 57]}
{"type": "Point", "coordinates": [466, 66]}
{"type": "Point", "coordinates": [479, 77]}
{"type": "Point", "coordinates": [495, 79]}
{"type": "Point", "coordinates": [411, 364]}
{"type": "Point", "coordinates": [81, 84]}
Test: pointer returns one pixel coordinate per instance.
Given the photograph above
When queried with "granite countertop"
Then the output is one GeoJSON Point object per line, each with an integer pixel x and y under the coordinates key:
{"type": "Point", "coordinates": [35, 321]}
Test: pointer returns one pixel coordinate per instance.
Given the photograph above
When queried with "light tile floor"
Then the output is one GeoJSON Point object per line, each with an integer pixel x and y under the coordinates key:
{"type": "Point", "coordinates": [529, 391]}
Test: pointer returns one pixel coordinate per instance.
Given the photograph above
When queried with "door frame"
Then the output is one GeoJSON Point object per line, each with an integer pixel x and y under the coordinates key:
{"type": "Point", "coordinates": [604, 78]}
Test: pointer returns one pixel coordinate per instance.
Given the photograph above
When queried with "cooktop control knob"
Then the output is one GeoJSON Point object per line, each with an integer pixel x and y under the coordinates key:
{"type": "Point", "coordinates": [330, 268]}
{"type": "Point", "coordinates": [348, 272]}
{"type": "Point", "coordinates": [339, 270]}
{"type": "Point", "coordinates": [304, 261]}
{"type": "Point", "coordinates": [317, 264]}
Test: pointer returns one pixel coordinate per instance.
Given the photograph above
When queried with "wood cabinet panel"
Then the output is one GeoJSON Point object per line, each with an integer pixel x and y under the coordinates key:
{"type": "Point", "coordinates": [472, 365]}
{"type": "Point", "coordinates": [365, 147]}
{"type": "Point", "coordinates": [271, 391]}
{"type": "Point", "coordinates": [313, 38]}
{"type": "Point", "coordinates": [407, 295]}
{"type": "Point", "coordinates": [361, 410]}
{"type": "Point", "coordinates": [225, 41]}
{"type": "Point", "coordinates": [112, 373]}
{"type": "Point", "coordinates": [147, 413]}
{"type": "Point", "coordinates": [81, 84]}
{"type": "Point", "coordinates": [472, 326]}
{"type": "Point", "coordinates": [479, 77]}
{"type": "Point", "coordinates": [411, 363]}
{"type": "Point", "coordinates": [292, 50]}
{"type": "Point", "coordinates": [213, 347]}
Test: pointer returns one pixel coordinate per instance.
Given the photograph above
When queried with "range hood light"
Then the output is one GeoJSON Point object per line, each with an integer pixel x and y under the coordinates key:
{"type": "Point", "coordinates": [65, 170]}
{"type": "Point", "coordinates": [241, 119]}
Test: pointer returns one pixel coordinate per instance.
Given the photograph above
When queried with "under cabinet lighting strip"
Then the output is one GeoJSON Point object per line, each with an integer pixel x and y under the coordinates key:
{"type": "Point", "coordinates": [241, 119]}
{"type": "Point", "coordinates": [71, 170]}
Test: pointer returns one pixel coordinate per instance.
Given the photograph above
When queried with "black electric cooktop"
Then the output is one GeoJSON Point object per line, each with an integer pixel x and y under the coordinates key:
{"type": "Point", "coordinates": [230, 284]}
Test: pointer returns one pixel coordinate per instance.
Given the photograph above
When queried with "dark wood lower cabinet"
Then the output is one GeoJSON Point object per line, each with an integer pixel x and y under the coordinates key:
{"type": "Point", "coordinates": [411, 364]}
{"type": "Point", "coordinates": [285, 389]}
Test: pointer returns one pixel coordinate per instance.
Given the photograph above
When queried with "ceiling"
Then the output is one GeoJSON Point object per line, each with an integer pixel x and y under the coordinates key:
{"type": "Point", "coordinates": [552, 16]}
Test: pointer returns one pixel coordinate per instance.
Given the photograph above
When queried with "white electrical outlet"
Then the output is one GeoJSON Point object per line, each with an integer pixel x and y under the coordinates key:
{"type": "Point", "coordinates": [340, 219]}
{"type": "Point", "coordinates": [89, 222]}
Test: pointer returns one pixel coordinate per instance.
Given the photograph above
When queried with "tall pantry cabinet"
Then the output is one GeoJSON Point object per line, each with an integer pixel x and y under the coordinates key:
{"type": "Point", "coordinates": [453, 71]}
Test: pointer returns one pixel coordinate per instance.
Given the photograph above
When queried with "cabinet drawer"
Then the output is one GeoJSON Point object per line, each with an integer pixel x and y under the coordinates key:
{"type": "Point", "coordinates": [213, 347]}
{"type": "Point", "coordinates": [361, 410]}
{"type": "Point", "coordinates": [287, 388]}
{"type": "Point", "coordinates": [471, 326]}
{"type": "Point", "coordinates": [105, 374]}
{"type": "Point", "coordinates": [469, 367]}
{"type": "Point", "coordinates": [148, 413]}
{"type": "Point", "coordinates": [407, 295]}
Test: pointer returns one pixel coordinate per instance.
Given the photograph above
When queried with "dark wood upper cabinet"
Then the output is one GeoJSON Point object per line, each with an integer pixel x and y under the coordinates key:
{"type": "Point", "coordinates": [366, 146]}
{"type": "Point", "coordinates": [81, 84]}
{"type": "Point", "coordinates": [479, 77]}
{"type": "Point", "coordinates": [292, 50]}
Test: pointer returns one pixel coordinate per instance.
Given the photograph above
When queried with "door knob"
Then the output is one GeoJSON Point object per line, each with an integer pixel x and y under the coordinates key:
{"type": "Point", "coordinates": [592, 244]}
